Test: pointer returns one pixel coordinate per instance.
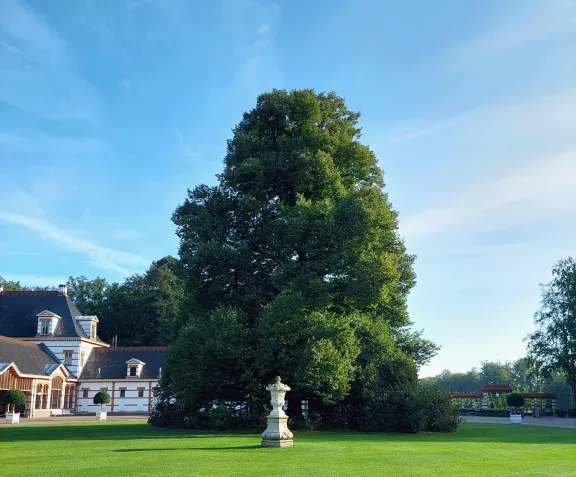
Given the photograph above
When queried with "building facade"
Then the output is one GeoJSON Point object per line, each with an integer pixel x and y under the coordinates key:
{"type": "Point", "coordinates": [52, 352]}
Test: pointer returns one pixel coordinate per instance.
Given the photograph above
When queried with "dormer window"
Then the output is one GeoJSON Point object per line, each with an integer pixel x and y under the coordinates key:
{"type": "Point", "coordinates": [89, 325]}
{"type": "Point", "coordinates": [134, 368]}
{"type": "Point", "coordinates": [47, 323]}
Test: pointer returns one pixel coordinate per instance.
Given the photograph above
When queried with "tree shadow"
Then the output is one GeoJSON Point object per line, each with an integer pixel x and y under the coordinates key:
{"type": "Point", "coordinates": [188, 449]}
{"type": "Point", "coordinates": [94, 431]}
{"type": "Point", "coordinates": [468, 433]}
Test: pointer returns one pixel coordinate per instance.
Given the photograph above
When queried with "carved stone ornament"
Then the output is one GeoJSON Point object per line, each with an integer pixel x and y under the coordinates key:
{"type": "Point", "coordinates": [277, 433]}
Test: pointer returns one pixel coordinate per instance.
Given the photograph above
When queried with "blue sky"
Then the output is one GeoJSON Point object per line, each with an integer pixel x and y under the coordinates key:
{"type": "Point", "coordinates": [110, 110]}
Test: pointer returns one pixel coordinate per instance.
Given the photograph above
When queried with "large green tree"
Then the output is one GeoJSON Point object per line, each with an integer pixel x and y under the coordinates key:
{"type": "Point", "coordinates": [143, 310]}
{"type": "Point", "coordinates": [293, 264]}
{"type": "Point", "coordinates": [552, 347]}
{"type": "Point", "coordinates": [88, 295]}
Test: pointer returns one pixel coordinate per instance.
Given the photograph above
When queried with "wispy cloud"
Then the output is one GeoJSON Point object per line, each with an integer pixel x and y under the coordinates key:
{"type": "Point", "coordinates": [102, 257]}
{"type": "Point", "coordinates": [185, 148]}
{"type": "Point", "coordinates": [504, 201]}
{"type": "Point", "coordinates": [38, 73]}
{"type": "Point", "coordinates": [19, 143]}
{"type": "Point", "coordinates": [253, 25]}
{"type": "Point", "coordinates": [535, 23]}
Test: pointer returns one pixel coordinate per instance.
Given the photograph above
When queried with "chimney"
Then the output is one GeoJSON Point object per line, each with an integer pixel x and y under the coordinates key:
{"type": "Point", "coordinates": [63, 290]}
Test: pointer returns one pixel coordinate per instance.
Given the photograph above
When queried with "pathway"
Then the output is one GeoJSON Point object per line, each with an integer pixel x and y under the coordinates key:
{"type": "Point", "coordinates": [72, 419]}
{"type": "Point", "coordinates": [564, 422]}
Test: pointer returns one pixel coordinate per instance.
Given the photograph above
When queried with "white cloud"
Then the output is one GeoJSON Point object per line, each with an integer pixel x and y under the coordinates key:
{"type": "Point", "coordinates": [185, 148]}
{"type": "Point", "coordinates": [38, 73]}
{"type": "Point", "coordinates": [543, 191]}
{"type": "Point", "coordinates": [99, 256]}
{"type": "Point", "coordinates": [535, 24]}
{"type": "Point", "coordinates": [524, 160]}
{"type": "Point", "coordinates": [253, 26]}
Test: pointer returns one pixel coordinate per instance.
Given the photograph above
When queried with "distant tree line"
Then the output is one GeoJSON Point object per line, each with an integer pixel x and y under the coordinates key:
{"type": "Point", "coordinates": [521, 375]}
{"type": "Point", "coordinates": [143, 310]}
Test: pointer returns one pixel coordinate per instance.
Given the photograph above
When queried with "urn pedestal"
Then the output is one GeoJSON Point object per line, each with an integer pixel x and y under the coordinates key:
{"type": "Point", "coordinates": [277, 433]}
{"type": "Point", "coordinates": [101, 415]}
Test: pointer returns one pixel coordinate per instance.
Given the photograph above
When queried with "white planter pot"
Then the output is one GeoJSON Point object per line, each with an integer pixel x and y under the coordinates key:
{"type": "Point", "coordinates": [13, 418]}
{"type": "Point", "coordinates": [101, 415]}
{"type": "Point", "coordinates": [515, 419]}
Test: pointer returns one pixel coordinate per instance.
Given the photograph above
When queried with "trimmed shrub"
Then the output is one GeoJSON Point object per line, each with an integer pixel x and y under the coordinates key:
{"type": "Point", "coordinates": [101, 397]}
{"type": "Point", "coordinates": [515, 400]}
{"type": "Point", "coordinates": [13, 398]}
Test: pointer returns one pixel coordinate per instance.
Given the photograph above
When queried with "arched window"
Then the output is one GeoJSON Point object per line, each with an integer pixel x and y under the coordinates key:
{"type": "Point", "coordinates": [69, 397]}
{"type": "Point", "coordinates": [39, 392]}
{"type": "Point", "coordinates": [57, 385]}
{"type": "Point", "coordinates": [45, 401]}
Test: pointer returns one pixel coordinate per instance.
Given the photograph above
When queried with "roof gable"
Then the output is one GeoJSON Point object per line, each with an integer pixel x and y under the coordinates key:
{"type": "Point", "coordinates": [27, 357]}
{"type": "Point", "coordinates": [110, 363]}
{"type": "Point", "coordinates": [135, 361]}
{"type": "Point", "coordinates": [19, 311]}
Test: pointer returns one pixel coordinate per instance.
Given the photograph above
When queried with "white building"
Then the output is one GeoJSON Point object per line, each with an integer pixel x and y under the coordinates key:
{"type": "Point", "coordinates": [52, 352]}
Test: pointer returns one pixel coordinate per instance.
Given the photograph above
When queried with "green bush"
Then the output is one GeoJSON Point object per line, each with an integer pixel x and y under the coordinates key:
{"type": "Point", "coordinates": [515, 400]}
{"type": "Point", "coordinates": [220, 418]}
{"type": "Point", "coordinates": [419, 409]}
{"type": "Point", "coordinates": [310, 423]}
{"type": "Point", "coordinates": [167, 414]}
{"type": "Point", "coordinates": [13, 398]}
{"type": "Point", "coordinates": [101, 397]}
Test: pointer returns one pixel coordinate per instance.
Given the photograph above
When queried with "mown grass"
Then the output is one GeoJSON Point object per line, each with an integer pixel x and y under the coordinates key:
{"type": "Point", "coordinates": [132, 448]}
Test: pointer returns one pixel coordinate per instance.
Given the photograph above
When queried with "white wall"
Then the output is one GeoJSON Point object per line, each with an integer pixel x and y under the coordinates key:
{"type": "Point", "coordinates": [77, 346]}
{"type": "Point", "coordinates": [59, 346]}
{"type": "Point", "coordinates": [130, 403]}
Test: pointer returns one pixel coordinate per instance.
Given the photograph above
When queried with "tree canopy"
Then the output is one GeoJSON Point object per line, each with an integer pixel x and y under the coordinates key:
{"type": "Point", "coordinates": [13, 398]}
{"type": "Point", "coordinates": [143, 310]}
{"type": "Point", "coordinates": [293, 264]}
{"type": "Point", "coordinates": [552, 347]}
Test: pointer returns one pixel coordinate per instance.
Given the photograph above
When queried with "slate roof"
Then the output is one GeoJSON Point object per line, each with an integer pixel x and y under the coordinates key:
{"type": "Point", "coordinates": [30, 358]}
{"type": "Point", "coordinates": [18, 310]}
{"type": "Point", "coordinates": [112, 362]}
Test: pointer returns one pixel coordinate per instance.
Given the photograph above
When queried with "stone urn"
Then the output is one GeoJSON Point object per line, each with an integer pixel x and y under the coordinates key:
{"type": "Point", "coordinates": [277, 433]}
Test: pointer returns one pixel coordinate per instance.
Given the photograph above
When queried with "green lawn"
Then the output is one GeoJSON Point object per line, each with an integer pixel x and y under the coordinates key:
{"type": "Point", "coordinates": [136, 449]}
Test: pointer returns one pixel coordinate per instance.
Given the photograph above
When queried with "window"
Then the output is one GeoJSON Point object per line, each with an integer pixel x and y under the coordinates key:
{"type": "Point", "coordinates": [82, 355]}
{"type": "Point", "coordinates": [104, 389]}
{"type": "Point", "coordinates": [140, 392]}
{"type": "Point", "coordinates": [133, 371]}
{"type": "Point", "coordinates": [68, 358]}
{"type": "Point", "coordinates": [44, 327]}
{"type": "Point", "coordinates": [155, 391]}
{"type": "Point", "coordinates": [85, 393]}
{"type": "Point", "coordinates": [122, 392]}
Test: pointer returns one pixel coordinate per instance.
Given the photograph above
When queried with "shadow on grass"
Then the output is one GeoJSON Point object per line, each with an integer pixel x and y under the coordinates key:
{"type": "Point", "coordinates": [188, 449]}
{"type": "Point", "coordinates": [468, 433]}
{"type": "Point", "coordinates": [93, 431]}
